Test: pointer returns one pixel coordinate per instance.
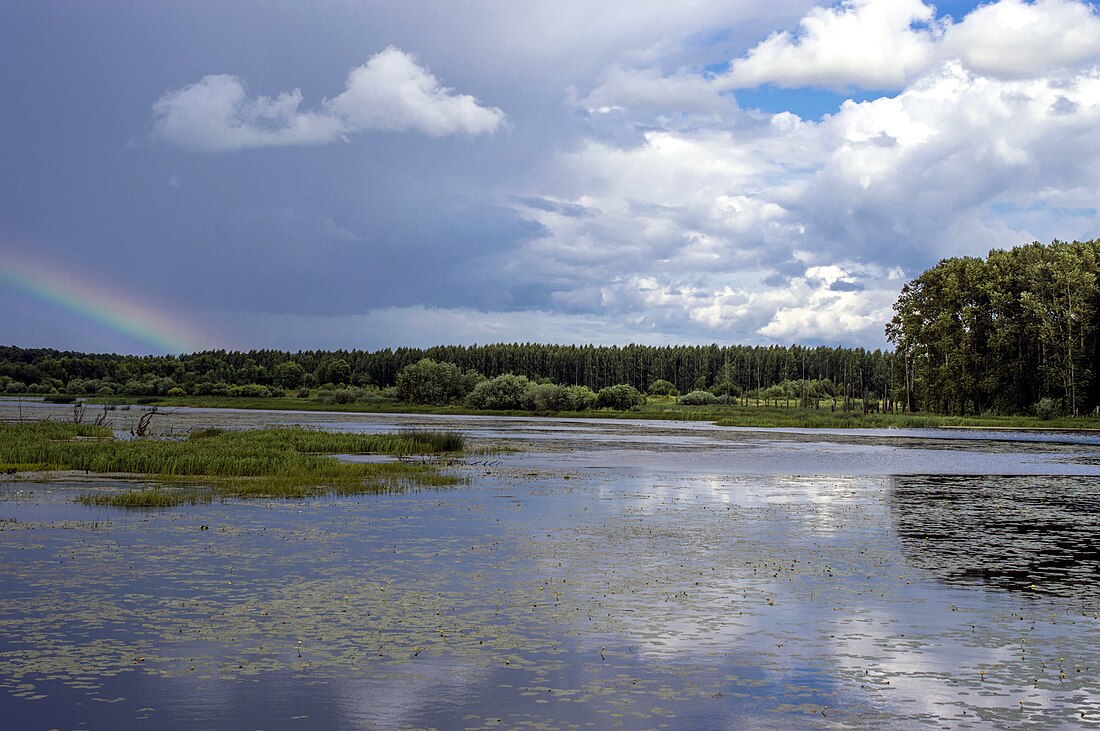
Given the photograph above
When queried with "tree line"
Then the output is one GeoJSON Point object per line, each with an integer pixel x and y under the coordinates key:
{"type": "Point", "coordinates": [846, 374]}
{"type": "Point", "coordinates": [1016, 332]}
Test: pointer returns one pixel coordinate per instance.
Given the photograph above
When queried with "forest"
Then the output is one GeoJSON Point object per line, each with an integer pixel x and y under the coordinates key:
{"type": "Point", "coordinates": [1014, 333]}
{"type": "Point", "coordinates": [843, 373]}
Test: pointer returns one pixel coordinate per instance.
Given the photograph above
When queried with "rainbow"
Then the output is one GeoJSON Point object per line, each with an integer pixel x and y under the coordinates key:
{"type": "Point", "coordinates": [136, 318]}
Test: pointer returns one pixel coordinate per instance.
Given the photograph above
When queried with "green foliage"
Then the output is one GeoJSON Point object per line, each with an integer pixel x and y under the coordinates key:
{"type": "Point", "coordinates": [545, 397]}
{"type": "Point", "coordinates": [1048, 408]}
{"type": "Point", "coordinates": [507, 392]}
{"type": "Point", "coordinates": [212, 373]}
{"type": "Point", "coordinates": [249, 390]}
{"type": "Point", "coordinates": [429, 382]}
{"type": "Point", "coordinates": [661, 387]}
{"type": "Point", "coordinates": [436, 441]}
{"type": "Point", "coordinates": [343, 396]}
{"type": "Point", "coordinates": [289, 375]}
{"type": "Point", "coordinates": [1001, 334]}
{"type": "Point", "coordinates": [725, 388]}
{"type": "Point", "coordinates": [335, 371]}
{"type": "Point", "coordinates": [150, 497]}
{"type": "Point", "coordinates": [698, 398]}
{"type": "Point", "coordinates": [176, 391]}
{"type": "Point", "coordinates": [273, 462]}
{"type": "Point", "coordinates": [581, 398]}
{"type": "Point", "coordinates": [620, 397]}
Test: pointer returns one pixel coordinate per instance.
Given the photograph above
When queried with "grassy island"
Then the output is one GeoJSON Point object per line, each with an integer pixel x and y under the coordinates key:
{"type": "Point", "coordinates": [281, 462]}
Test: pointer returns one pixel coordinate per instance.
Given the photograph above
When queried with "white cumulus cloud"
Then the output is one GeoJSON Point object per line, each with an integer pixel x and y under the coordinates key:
{"type": "Point", "coordinates": [390, 92]}
{"type": "Point", "coordinates": [869, 43]}
{"type": "Point", "coordinates": [1012, 38]}
{"type": "Point", "coordinates": [884, 44]}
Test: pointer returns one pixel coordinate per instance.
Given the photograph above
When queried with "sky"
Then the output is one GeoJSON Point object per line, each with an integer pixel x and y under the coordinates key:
{"type": "Point", "coordinates": [304, 175]}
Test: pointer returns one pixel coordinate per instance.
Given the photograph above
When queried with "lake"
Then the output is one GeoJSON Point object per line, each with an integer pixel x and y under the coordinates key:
{"type": "Point", "coordinates": [595, 574]}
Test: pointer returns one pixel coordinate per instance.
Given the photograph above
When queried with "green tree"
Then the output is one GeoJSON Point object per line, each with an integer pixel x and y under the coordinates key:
{"type": "Point", "coordinates": [621, 397]}
{"type": "Point", "coordinates": [429, 382]}
{"type": "Point", "coordinates": [505, 392]}
{"type": "Point", "coordinates": [661, 387]}
{"type": "Point", "coordinates": [289, 374]}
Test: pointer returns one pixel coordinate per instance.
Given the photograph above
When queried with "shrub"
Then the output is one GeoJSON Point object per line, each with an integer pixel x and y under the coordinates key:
{"type": "Point", "coordinates": [725, 388]}
{"type": "Point", "coordinates": [249, 390]}
{"type": "Point", "coordinates": [1048, 408]}
{"type": "Point", "coordinates": [138, 388]}
{"type": "Point", "coordinates": [105, 391]}
{"type": "Point", "coordinates": [620, 397]}
{"type": "Point", "coordinates": [343, 396]}
{"type": "Point", "coordinates": [581, 398]}
{"type": "Point", "coordinates": [505, 392]}
{"type": "Point", "coordinates": [176, 391]}
{"type": "Point", "coordinates": [661, 387]}
{"type": "Point", "coordinates": [698, 398]}
{"type": "Point", "coordinates": [546, 397]}
{"type": "Point", "coordinates": [429, 382]}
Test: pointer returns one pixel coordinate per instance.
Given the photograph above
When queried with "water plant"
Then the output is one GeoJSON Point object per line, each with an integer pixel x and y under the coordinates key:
{"type": "Point", "coordinates": [289, 462]}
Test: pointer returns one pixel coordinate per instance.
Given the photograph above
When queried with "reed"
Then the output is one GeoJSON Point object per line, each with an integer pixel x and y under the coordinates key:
{"type": "Point", "coordinates": [150, 497]}
{"type": "Point", "coordinates": [282, 462]}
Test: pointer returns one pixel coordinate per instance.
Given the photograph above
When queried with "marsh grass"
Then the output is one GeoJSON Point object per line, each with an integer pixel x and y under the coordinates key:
{"type": "Point", "coordinates": [825, 419]}
{"type": "Point", "coordinates": [287, 462]}
{"type": "Point", "coordinates": [149, 497]}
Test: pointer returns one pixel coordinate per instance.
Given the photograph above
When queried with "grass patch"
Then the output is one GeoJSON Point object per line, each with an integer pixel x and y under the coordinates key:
{"type": "Point", "coordinates": [282, 462]}
{"type": "Point", "coordinates": [149, 497]}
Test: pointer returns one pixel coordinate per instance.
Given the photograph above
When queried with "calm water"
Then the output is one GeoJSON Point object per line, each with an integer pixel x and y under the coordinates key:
{"type": "Point", "coordinates": [611, 575]}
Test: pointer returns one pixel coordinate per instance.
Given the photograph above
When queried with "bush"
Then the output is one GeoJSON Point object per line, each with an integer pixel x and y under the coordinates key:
{"type": "Point", "coordinates": [546, 397]}
{"type": "Point", "coordinates": [138, 388]}
{"type": "Point", "coordinates": [698, 398]}
{"type": "Point", "coordinates": [505, 392]}
{"type": "Point", "coordinates": [620, 397]}
{"type": "Point", "coordinates": [303, 393]}
{"type": "Point", "coordinates": [429, 382]}
{"type": "Point", "coordinates": [661, 387]}
{"type": "Point", "coordinates": [249, 390]}
{"type": "Point", "coordinates": [105, 391]}
{"type": "Point", "coordinates": [1048, 408]}
{"type": "Point", "coordinates": [581, 398]}
{"type": "Point", "coordinates": [725, 388]}
{"type": "Point", "coordinates": [176, 391]}
{"type": "Point", "coordinates": [344, 396]}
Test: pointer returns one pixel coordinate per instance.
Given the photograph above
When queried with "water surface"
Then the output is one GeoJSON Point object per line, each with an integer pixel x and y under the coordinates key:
{"type": "Point", "coordinates": [610, 575]}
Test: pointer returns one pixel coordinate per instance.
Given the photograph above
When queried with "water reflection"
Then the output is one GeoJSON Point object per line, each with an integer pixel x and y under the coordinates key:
{"type": "Point", "coordinates": [692, 579]}
{"type": "Point", "coordinates": [1022, 533]}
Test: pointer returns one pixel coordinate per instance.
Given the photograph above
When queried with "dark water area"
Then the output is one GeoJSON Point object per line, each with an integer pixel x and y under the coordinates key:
{"type": "Point", "coordinates": [608, 575]}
